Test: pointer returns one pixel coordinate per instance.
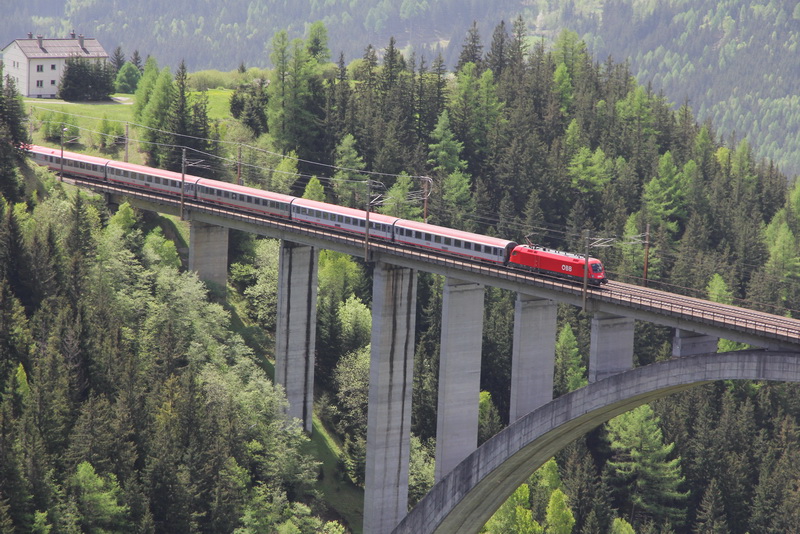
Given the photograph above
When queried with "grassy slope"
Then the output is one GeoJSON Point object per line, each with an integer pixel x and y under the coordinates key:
{"type": "Point", "coordinates": [88, 116]}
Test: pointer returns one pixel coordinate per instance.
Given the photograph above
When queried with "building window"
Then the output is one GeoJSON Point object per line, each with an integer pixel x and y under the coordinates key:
{"type": "Point", "coordinates": [39, 83]}
{"type": "Point", "coordinates": [39, 68]}
{"type": "Point", "coordinates": [52, 82]}
{"type": "Point", "coordinates": [53, 66]}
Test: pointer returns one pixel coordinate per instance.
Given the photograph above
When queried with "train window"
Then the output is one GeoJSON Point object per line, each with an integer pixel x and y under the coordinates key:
{"type": "Point", "coordinates": [456, 243]}
{"type": "Point", "coordinates": [448, 241]}
{"type": "Point", "coordinates": [467, 245]}
{"type": "Point", "coordinates": [158, 180]}
{"type": "Point", "coordinates": [339, 218]}
{"type": "Point", "coordinates": [149, 178]}
{"type": "Point", "coordinates": [437, 239]}
{"type": "Point", "coordinates": [362, 223]}
{"type": "Point", "coordinates": [226, 194]}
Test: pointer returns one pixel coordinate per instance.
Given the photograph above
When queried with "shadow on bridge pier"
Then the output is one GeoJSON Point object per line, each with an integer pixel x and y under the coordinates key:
{"type": "Point", "coordinates": [467, 497]}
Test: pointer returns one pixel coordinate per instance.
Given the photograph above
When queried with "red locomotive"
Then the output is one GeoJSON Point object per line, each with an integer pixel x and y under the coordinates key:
{"type": "Point", "coordinates": [555, 262]}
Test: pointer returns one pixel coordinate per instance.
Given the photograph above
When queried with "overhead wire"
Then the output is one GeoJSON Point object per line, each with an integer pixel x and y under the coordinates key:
{"type": "Point", "coordinates": [554, 233]}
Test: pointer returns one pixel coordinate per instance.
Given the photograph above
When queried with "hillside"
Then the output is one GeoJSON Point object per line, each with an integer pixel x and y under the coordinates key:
{"type": "Point", "coordinates": [734, 62]}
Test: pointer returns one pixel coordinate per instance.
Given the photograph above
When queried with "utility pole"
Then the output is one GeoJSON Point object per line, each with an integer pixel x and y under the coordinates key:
{"type": "Point", "coordinates": [61, 174]}
{"type": "Point", "coordinates": [586, 269]}
{"type": "Point", "coordinates": [366, 230]}
{"type": "Point", "coordinates": [425, 184]}
{"type": "Point", "coordinates": [126, 142]}
{"type": "Point", "coordinates": [646, 252]}
{"type": "Point", "coordinates": [239, 167]}
{"type": "Point", "coordinates": [183, 178]}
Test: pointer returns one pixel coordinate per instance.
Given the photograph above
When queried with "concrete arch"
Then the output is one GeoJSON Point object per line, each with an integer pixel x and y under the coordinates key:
{"type": "Point", "coordinates": [467, 497]}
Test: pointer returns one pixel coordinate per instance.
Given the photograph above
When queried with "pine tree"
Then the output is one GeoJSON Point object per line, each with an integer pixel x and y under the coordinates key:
{"type": "Point", "coordinates": [155, 112]}
{"type": "Point", "coordinates": [711, 516]}
{"type": "Point", "coordinates": [136, 59]}
{"type": "Point", "coordinates": [499, 52]}
{"type": "Point", "coordinates": [144, 89]}
{"type": "Point", "coordinates": [117, 59]}
{"type": "Point", "coordinates": [348, 183]}
{"type": "Point", "coordinates": [649, 481]}
{"type": "Point", "coordinates": [472, 51]}
{"type": "Point", "coordinates": [177, 123]}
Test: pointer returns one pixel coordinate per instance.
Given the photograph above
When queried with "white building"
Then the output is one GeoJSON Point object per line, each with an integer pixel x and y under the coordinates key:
{"type": "Point", "coordinates": [36, 64]}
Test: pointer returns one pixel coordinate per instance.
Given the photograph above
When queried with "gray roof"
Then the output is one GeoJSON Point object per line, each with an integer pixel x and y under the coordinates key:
{"type": "Point", "coordinates": [57, 48]}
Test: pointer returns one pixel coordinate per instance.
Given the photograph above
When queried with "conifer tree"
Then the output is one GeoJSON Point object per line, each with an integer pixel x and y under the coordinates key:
{"type": "Point", "coordinates": [711, 516]}
{"type": "Point", "coordinates": [472, 50]}
{"type": "Point", "coordinates": [348, 183]}
{"type": "Point", "coordinates": [649, 481]}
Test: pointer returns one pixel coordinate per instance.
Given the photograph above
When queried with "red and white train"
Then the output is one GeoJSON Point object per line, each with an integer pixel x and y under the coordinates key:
{"type": "Point", "coordinates": [428, 236]}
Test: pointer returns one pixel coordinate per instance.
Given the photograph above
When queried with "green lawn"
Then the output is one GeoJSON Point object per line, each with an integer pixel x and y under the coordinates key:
{"type": "Point", "coordinates": [88, 116]}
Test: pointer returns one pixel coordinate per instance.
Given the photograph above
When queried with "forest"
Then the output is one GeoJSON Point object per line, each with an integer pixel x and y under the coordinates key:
{"type": "Point", "coordinates": [129, 403]}
{"type": "Point", "coordinates": [733, 61]}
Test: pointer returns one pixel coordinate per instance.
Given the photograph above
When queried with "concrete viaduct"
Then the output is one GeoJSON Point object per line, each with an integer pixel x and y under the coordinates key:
{"type": "Point", "coordinates": [472, 483]}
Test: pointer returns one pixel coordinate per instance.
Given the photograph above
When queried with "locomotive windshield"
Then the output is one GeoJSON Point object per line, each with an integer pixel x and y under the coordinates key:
{"type": "Point", "coordinates": [597, 267]}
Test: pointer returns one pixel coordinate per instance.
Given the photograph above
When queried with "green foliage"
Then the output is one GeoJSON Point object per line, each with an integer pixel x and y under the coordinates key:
{"type": "Point", "coordinates": [111, 133]}
{"type": "Point", "coordinates": [514, 515]}
{"type": "Point", "coordinates": [356, 324]}
{"type": "Point", "coordinates": [647, 480]}
{"type": "Point", "coordinates": [570, 373]}
{"type": "Point", "coordinates": [399, 201]}
{"type": "Point", "coordinates": [145, 86]}
{"type": "Point", "coordinates": [98, 501]}
{"type": "Point", "coordinates": [663, 196]}
{"type": "Point", "coordinates": [348, 183]}
{"type": "Point", "coordinates": [559, 517]}
{"type": "Point", "coordinates": [159, 251]}
{"type": "Point", "coordinates": [590, 171]}
{"type": "Point", "coordinates": [351, 379]}
{"type": "Point", "coordinates": [127, 78]}
{"type": "Point", "coordinates": [421, 469]}
{"type": "Point", "coordinates": [489, 422]}
{"type": "Point", "coordinates": [620, 526]}
{"type": "Point", "coordinates": [85, 80]}
{"type": "Point", "coordinates": [314, 190]}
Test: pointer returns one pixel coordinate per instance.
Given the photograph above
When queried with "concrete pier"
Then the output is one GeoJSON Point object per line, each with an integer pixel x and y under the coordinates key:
{"type": "Point", "coordinates": [533, 354]}
{"type": "Point", "coordinates": [459, 373]}
{"type": "Point", "coordinates": [389, 416]}
{"type": "Point", "coordinates": [295, 332]}
{"type": "Point", "coordinates": [208, 252]}
{"type": "Point", "coordinates": [687, 343]}
{"type": "Point", "coordinates": [611, 350]}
